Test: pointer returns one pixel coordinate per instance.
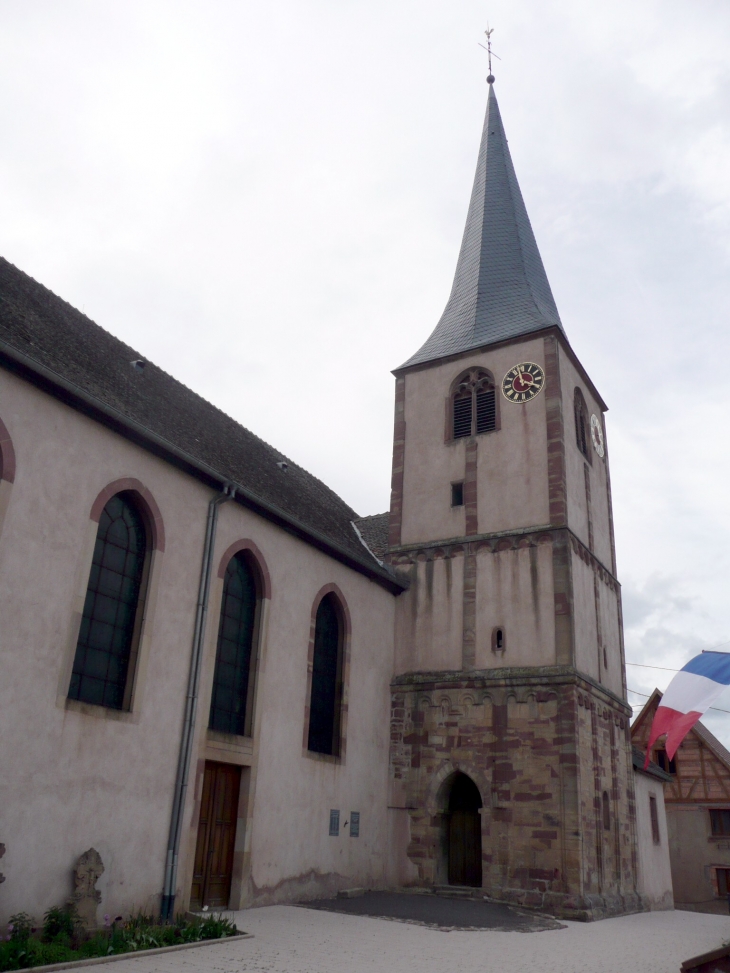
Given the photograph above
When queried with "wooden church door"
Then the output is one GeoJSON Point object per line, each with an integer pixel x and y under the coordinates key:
{"type": "Point", "coordinates": [465, 833]}
{"type": "Point", "coordinates": [216, 836]}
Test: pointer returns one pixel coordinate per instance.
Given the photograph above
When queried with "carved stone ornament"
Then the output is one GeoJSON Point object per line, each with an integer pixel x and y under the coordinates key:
{"type": "Point", "coordinates": [86, 897]}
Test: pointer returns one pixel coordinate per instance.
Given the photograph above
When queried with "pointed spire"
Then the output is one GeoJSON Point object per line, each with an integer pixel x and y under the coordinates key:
{"type": "Point", "coordinates": [500, 287]}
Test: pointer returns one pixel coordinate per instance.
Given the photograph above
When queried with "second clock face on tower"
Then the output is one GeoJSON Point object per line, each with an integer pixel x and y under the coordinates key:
{"type": "Point", "coordinates": [523, 382]}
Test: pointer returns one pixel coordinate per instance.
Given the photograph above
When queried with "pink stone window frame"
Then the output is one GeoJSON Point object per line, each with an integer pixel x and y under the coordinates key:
{"type": "Point", "coordinates": [263, 584]}
{"type": "Point", "coordinates": [152, 516]}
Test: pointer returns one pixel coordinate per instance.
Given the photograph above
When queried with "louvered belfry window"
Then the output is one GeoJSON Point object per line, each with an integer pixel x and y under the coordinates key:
{"type": "Point", "coordinates": [231, 704]}
{"type": "Point", "coordinates": [473, 404]}
{"type": "Point", "coordinates": [486, 409]}
{"type": "Point", "coordinates": [101, 670]}
{"type": "Point", "coordinates": [326, 698]}
{"type": "Point", "coordinates": [462, 414]}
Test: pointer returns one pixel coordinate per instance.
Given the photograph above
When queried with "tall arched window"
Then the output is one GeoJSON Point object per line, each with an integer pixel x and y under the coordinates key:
{"type": "Point", "coordinates": [231, 705]}
{"type": "Point", "coordinates": [606, 812]}
{"type": "Point", "coordinates": [473, 404]}
{"type": "Point", "coordinates": [325, 703]}
{"type": "Point", "coordinates": [103, 667]}
{"type": "Point", "coordinates": [582, 434]}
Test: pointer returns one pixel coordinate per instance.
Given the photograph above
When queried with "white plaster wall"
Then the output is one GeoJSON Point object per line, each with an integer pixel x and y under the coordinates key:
{"type": "Point", "coordinates": [612, 675]}
{"type": "Point", "coordinates": [655, 873]}
{"type": "Point", "coordinates": [429, 617]}
{"type": "Point", "coordinates": [574, 467]}
{"type": "Point", "coordinates": [512, 462]}
{"type": "Point", "coordinates": [693, 852]}
{"type": "Point", "coordinates": [83, 776]}
{"type": "Point", "coordinates": [588, 654]}
{"type": "Point", "coordinates": [515, 592]}
{"type": "Point", "coordinates": [584, 618]}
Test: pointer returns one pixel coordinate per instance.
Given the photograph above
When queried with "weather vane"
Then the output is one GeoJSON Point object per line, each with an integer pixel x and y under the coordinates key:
{"type": "Point", "coordinates": [488, 34]}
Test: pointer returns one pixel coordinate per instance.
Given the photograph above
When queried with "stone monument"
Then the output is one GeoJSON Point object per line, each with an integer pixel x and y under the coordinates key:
{"type": "Point", "coordinates": [86, 897]}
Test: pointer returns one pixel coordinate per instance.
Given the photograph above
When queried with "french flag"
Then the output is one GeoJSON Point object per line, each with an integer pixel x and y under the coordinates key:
{"type": "Point", "coordinates": [692, 691]}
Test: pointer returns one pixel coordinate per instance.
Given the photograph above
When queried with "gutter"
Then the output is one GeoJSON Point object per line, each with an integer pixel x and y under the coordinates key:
{"type": "Point", "coordinates": [167, 905]}
{"type": "Point", "coordinates": [49, 381]}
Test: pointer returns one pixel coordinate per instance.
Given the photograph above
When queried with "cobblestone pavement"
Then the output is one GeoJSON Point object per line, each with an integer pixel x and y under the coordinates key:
{"type": "Point", "coordinates": [290, 939]}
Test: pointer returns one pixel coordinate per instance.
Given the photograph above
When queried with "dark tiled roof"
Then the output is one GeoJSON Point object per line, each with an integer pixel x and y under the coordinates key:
{"type": "Point", "coordinates": [500, 287]}
{"type": "Point", "coordinates": [653, 770]}
{"type": "Point", "coordinates": [374, 530]}
{"type": "Point", "coordinates": [58, 338]}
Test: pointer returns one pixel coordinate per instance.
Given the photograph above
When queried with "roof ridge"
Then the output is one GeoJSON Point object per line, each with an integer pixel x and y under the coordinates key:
{"type": "Point", "coordinates": [110, 336]}
{"type": "Point", "coordinates": [148, 361]}
{"type": "Point", "coordinates": [67, 354]}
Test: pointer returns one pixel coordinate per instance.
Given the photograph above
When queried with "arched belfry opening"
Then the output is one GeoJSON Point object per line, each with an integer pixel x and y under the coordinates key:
{"type": "Point", "coordinates": [464, 832]}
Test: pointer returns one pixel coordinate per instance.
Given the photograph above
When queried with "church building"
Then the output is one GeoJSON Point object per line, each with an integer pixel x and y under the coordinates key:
{"type": "Point", "coordinates": [237, 691]}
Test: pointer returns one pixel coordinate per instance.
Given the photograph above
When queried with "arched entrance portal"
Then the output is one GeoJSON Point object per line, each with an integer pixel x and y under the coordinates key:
{"type": "Point", "coordinates": [464, 832]}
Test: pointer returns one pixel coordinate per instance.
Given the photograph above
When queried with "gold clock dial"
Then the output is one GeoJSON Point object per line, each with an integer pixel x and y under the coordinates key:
{"type": "Point", "coordinates": [523, 382]}
{"type": "Point", "coordinates": [597, 436]}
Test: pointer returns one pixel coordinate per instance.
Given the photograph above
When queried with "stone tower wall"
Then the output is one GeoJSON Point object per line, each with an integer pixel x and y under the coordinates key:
{"type": "Point", "coordinates": [542, 745]}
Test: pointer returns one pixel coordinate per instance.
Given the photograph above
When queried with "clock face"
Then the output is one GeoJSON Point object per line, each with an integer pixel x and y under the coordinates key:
{"type": "Point", "coordinates": [523, 382]}
{"type": "Point", "coordinates": [597, 436]}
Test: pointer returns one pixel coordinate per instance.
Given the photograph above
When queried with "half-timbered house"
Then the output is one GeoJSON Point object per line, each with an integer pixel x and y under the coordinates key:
{"type": "Point", "coordinates": [697, 799]}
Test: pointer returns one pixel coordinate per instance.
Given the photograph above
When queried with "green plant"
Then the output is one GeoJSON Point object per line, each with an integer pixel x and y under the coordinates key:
{"type": "Point", "coordinates": [59, 922]}
{"type": "Point", "coordinates": [217, 927]}
{"type": "Point", "coordinates": [20, 927]}
{"type": "Point", "coordinates": [61, 937]}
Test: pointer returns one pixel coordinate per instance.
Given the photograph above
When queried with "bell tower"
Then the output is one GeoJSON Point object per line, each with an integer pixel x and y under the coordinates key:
{"type": "Point", "coordinates": [509, 649]}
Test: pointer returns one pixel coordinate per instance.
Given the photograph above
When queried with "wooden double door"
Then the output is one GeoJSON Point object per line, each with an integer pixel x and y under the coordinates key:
{"type": "Point", "coordinates": [213, 868]}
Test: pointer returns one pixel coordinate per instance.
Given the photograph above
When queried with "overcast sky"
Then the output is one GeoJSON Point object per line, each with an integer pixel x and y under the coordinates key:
{"type": "Point", "coordinates": [267, 199]}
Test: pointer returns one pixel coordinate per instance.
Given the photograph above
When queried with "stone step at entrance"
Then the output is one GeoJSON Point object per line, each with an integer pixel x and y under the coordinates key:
{"type": "Point", "coordinates": [458, 891]}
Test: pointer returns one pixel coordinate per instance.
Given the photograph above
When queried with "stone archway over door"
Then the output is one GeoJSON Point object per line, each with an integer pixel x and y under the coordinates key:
{"type": "Point", "coordinates": [216, 836]}
{"type": "Point", "coordinates": [464, 833]}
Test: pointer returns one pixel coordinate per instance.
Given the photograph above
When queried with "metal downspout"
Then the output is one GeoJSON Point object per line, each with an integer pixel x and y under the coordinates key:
{"type": "Point", "coordinates": [167, 905]}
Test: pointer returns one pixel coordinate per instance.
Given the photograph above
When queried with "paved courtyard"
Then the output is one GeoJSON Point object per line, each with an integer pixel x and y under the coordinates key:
{"type": "Point", "coordinates": [291, 939]}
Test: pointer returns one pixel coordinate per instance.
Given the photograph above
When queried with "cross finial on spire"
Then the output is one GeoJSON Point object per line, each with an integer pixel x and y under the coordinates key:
{"type": "Point", "coordinates": [488, 34]}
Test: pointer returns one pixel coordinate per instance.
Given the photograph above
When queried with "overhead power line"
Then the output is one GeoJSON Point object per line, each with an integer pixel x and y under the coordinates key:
{"type": "Point", "coordinates": [646, 696]}
{"type": "Point", "coordinates": [643, 665]}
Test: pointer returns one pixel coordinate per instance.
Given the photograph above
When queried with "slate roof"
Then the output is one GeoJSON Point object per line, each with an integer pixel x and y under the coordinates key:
{"type": "Point", "coordinates": [49, 336]}
{"type": "Point", "coordinates": [374, 531]}
{"type": "Point", "coordinates": [500, 287]}
{"type": "Point", "coordinates": [653, 770]}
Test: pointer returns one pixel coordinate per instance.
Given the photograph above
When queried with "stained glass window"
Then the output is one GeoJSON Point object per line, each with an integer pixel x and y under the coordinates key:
{"type": "Point", "coordinates": [101, 665]}
{"type": "Point", "coordinates": [230, 706]}
{"type": "Point", "coordinates": [324, 708]}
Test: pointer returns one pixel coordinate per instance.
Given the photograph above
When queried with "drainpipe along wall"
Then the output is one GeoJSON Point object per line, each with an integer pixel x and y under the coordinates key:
{"type": "Point", "coordinates": [167, 906]}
